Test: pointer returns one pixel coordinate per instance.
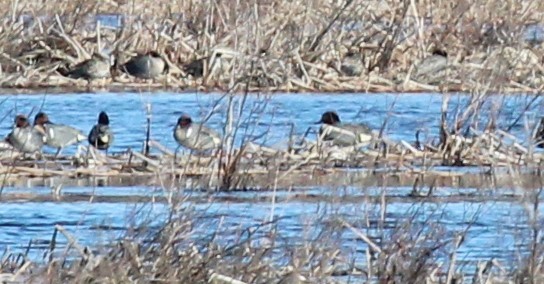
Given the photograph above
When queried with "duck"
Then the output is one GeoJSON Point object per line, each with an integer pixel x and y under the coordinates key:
{"type": "Point", "coordinates": [341, 134]}
{"type": "Point", "coordinates": [101, 135]}
{"type": "Point", "coordinates": [57, 135]}
{"type": "Point", "coordinates": [195, 136]}
{"type": "Point", "coordinates": [195, 67]}
{"type": "Point", "coordinates": [352, 64]}
{"type": "Point", "coordinates": [98, 67]}
{"type": "Point", "coordinates": [23, 137]}
{"type": "Point", "coordinates": [146, 66]}
{"type": "Point", "coordinates": [432, 68]}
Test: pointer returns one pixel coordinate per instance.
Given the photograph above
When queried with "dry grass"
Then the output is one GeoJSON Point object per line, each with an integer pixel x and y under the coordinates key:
{"type": "Point", "coordinates": [278, 45]}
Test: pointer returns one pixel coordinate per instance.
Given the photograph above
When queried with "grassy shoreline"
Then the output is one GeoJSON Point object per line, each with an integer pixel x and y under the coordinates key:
{"type": "Point", "coordinates": [349, 46]}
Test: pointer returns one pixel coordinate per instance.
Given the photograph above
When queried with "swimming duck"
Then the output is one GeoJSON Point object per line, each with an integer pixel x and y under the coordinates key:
{"type": "Point", "coordinates": [24, 138]}
{"type": "Point", "coordinates": [101, 135]}
{"type": "Point", "coordinates": [97, 67]}
{"type": "Point", "coordinates": [146, 66]}
{"type": "Point", "coordinates": [195, 136]}
{"type": "Point", "coordinates": [343, 134]}
{"type": "Point", "coordinates": [57, 135]}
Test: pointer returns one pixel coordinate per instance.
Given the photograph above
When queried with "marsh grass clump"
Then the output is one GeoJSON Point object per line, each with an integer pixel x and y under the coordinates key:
{"type": "Point", "coordinates": [351, 45]}
{"type": "Point", "coordinates": [190, 248]}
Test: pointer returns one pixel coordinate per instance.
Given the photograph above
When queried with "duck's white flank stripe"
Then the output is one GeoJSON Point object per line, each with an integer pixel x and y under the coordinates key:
{"type": "Point", "coordinates": [51, 133]}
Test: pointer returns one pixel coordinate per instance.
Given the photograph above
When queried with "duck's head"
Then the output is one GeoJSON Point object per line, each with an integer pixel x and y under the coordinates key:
{"type": "Point", "coordinates": [41, 119]}
{"type": "Point", "coordinates": [329, 117]}
{"type": "Point", "coordinates": [21, 121]}
{"type": "Point", "coordinates": [184, 121]}
{"type": "Point", "coordinates": [103, 118]}
{"type": "Point", "coordinates": [439, 52]}
{"type": "Point", "coordinates": [153, 53]}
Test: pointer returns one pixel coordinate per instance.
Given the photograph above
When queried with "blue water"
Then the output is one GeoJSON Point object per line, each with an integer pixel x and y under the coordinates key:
{"type": "Point", "coordinates": [495, 229]}
{"type": "Point", "coordinates": [265, 119]}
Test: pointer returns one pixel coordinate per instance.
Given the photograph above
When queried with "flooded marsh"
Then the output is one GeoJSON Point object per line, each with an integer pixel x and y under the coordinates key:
{"type": "Point", "coordinates": [358, 218]}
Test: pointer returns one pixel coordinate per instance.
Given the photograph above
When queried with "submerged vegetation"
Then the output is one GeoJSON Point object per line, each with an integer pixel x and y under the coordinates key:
{"type": "Point", "coordinates": [352, 45]}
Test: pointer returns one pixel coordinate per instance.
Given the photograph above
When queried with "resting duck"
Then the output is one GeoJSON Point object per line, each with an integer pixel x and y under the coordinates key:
{"type": "Point", "coordinates": [146, 66]}
{"type": "Point", "coordinates": [98, 67]}
{"type": "Point", "coordinates": [57, 135]}
{"type": "Point", "coordinates": [101, 135]}
{"type": "Point", "coordinates": [342, 134]}
{"type": "Point", "coordinates": [195, 136]}
{"type": "Point", "coordinates": [25, 138]}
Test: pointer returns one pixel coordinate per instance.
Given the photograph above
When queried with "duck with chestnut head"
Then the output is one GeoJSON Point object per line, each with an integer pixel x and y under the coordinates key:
{"type": "Point", "coordinates": [343, 134]}
{"type": "Point", "coordinates": [25, 138]}
{"type": "Point", "coordinates": [195, 136]}
{"type": "Point", "coordinates": [57, 135]}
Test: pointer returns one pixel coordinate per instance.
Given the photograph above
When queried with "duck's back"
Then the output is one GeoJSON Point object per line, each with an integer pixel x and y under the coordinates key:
{"type": "Point", "coordinates": [346, 134]}
{"type": "Point", "coordinates": [91, 69]}
{"type": "Point", "coordinates": [197, 137]}
{"type": "Point", "coordinates": [58, 135]}
{"type": "Point", "coordinates": [144, 67]}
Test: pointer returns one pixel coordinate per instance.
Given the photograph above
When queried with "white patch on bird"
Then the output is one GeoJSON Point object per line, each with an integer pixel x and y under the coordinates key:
{"type": "Point", "coordinates": [51, 133]}
{"type": "Point", "coordinates": [189, 131]}
{"type": "Point", "coordinates": [105, 138]}
{"type": "Point", "coordinates": [364, 137]}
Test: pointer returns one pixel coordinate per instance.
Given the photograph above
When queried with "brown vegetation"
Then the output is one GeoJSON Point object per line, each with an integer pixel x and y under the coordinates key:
{"type": "Point", "coordinates": [319, 45]}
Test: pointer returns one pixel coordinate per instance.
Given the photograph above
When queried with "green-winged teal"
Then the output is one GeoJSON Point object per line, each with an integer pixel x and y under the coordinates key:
{"type": "Point", "coordinates": [101, 135]}
{"type": "Point", "coordinates": [98, 67]}
{"type": "Point", "coordinates": [432, 69]}
{"type": "Point", "coordinates": [352, 64]}
{"type": "Point", "coordinates": [195, 136]}
{"type": "Point", "coordinates": [57, 135]}
{"type": "Point", "coordinates": [25, 138]}
{"type": "Point", "coordinates": [146, 66]}
{"type": "Point", "coordinates": [341, 134]}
